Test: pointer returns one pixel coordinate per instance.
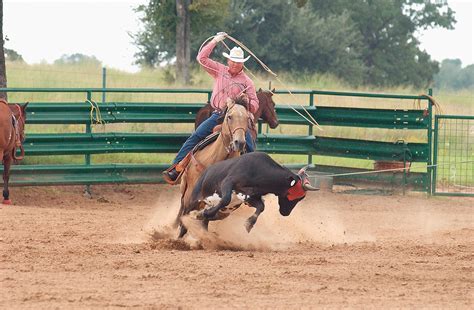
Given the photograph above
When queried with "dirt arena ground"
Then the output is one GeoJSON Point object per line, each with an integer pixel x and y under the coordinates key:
{"type": "Point", "coordinates": [59, 249]}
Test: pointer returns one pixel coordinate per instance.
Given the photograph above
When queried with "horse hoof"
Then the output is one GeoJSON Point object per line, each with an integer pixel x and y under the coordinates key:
{"type": "Point", "coordinates": [248, 226]}
{"type": "Point", "coordinates": [7, 202]}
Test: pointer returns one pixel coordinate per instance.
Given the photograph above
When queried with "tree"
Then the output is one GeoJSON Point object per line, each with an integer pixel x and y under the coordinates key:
{"type": "Point", "coordinates": [389, 48]}
{"type": "Point", "coordinates": [452, 76]}
{"type": "Point", "coordinates": [363, 41]}
{"type": "Point", "coordinates": [12, 55]}
{"type": "Point", "coordinates": [466, 78]}
{"type": "Point", "coordinates": [78, 59]}
{"type": "Point", "coordinates": [3, 71]}
{"type": "Point", "coordinates": [173, 32]}
{"type": "Point", "coordinates": [183, 54]}
{"type": "Point", "coordinates": [293, 37]}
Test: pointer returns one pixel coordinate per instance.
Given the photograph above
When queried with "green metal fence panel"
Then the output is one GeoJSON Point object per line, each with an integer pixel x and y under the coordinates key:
{"type": "Point", "coordinates": [453, 155]}
{"type": "Point", "coordinates": [356, 117]}
{"type": "Point", "coordinates": [110, 112]}
{"type": "Point", "coordinates": [115, 112]}
{"type": "Point", "coordinates": [351, 148]}
{"type": "Point", "coordinates": [85, 174]}
{"type": "Point", "coordinates": [43, 175]}
{"type": "Point", "coordinates": [90, 142]}
{"type": "Point", "coordinates": [103, 143]}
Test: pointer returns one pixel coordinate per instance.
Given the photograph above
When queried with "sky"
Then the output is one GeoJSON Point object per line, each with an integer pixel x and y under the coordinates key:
{"type": "Point", "coordinates": [44, 30]}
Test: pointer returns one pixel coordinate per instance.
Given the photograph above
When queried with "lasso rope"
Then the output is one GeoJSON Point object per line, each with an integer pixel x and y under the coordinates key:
{"type": "Point", "coordinates": [97, 118]}
{"type": "Point", "coordinates": [266, 68]}
{"type": "Point", "coordinates": [312, 121]}
{"type": "Point", "coordinates": [437, 106]}
{"type": "Point", "coordinates": [394, 169]}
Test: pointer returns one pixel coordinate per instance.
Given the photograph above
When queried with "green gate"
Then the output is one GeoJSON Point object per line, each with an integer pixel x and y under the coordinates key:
{"type": "Point", "coordinates": [453, 155]}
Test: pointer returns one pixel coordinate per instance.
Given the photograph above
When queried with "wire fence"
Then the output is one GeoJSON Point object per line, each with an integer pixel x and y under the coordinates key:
{"type": "Point", "coordinates": [454, 155]}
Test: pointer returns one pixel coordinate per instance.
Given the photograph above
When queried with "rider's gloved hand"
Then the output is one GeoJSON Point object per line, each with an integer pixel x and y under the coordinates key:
{"type": "Point", "coordinates": [219, 37]}
{"type": "Point", "coordinates": [244, 97]}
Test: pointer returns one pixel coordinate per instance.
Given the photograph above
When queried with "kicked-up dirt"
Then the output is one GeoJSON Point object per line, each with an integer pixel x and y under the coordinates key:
{"type": "Point", "coordinates": [59, 249]}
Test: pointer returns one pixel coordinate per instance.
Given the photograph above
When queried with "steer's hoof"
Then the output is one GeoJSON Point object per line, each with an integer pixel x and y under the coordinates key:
{"type": "Point", "coordinates": [7, 202]}
{"type": "Point", "coordinates": [250, 222]}
{"type": "Point", "coordinates": [197, 215]}
{"type": "Point", "coordinates": [248, 226]}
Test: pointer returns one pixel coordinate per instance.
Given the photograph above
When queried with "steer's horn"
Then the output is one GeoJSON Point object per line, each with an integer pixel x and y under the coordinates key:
{"type": "Point", "coordinates": [308, 187]}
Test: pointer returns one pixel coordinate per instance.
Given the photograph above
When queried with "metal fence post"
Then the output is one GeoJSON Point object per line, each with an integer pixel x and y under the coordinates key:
{"type": "Point", "coordinates": [87, 157]}
{"type": "Point", "coordinates": [435, 155]}
{"type": "Point", "coordinates": [429, 187]}
{"type": "Point", "coordinates": [104, 82]}
{"type": "Point", "coordinates": [310, 126]}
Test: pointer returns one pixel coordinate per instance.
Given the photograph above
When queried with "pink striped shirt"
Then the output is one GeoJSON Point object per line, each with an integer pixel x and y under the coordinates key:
{"type": "Point", "coordinates": [226, 85]}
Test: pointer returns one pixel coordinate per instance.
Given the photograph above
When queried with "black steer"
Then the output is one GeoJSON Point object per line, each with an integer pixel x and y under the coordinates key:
{"type": "Point", "coordinates": [225, 185]}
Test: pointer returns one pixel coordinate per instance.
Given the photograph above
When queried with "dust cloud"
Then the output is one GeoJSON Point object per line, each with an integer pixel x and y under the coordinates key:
{"type": "Point", "coordinates": [309, 222]}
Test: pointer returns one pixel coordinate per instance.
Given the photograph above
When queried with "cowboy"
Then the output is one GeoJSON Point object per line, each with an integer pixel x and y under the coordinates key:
{"type": "Point", "coordinates": [229, 81]}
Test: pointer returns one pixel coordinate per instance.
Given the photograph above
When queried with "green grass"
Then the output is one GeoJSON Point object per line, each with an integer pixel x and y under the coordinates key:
{"type": "Point", "coordinates": [73, 76]}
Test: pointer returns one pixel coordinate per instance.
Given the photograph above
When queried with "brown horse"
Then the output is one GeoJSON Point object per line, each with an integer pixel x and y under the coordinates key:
{"type": "Point", "coordinates": [12, 135]}
{"type": "Point", "coordinates": [230, 143]}
{"type": "Point", "coordinates": [266, 111]}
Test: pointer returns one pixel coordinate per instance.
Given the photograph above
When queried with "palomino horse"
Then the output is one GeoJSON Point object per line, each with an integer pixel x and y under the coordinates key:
{"type": "Point", "coordinates": [12, 135]}
{"type": "Point", "coordinates": [229, 143]}
{"type": "Point", "coordinates": [266, 111]}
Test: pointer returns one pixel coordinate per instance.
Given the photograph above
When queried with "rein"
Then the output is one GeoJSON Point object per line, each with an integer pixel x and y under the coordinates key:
{"type": "Point", "coordinates": [232, 133]}
{"type": "Point", "coordinates": [20, 112]}
{"type": "Point", "coordinates": [200, 166]}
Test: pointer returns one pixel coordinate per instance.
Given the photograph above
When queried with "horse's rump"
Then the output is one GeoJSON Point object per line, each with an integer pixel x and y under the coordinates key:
{"type": "Point", "coordinates": [7, 131]}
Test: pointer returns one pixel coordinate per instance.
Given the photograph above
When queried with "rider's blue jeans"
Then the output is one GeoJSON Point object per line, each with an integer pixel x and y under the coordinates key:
{"type": "Point", "coordinates": [203, 131]}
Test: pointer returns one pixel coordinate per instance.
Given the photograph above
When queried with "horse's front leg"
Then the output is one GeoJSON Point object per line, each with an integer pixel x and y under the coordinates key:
{"type": "Point", "coordinates": [257, 203]}
{"type": "Point", "coordinates": [7, 161]}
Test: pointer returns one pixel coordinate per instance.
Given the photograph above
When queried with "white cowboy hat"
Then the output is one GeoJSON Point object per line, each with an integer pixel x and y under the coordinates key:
{"type": "Point", "coordinates": [236, 55]}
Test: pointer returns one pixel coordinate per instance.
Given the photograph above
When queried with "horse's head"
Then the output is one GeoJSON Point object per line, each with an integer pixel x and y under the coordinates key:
{"type": "Point", "coordinates": [266, 108]}
{"type": "Point", "coordinates": [235, 124]}
{"type": "Point", "coordinates": [19, 111]}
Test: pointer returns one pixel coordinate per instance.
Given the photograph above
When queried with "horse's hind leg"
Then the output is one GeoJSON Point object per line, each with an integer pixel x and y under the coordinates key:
{"type": "Point", "coordinates": [205, 224]}
{"type": "Point", "coordinates": [182, 230]}
{"type": "Point", "coordinates": [7, 160]}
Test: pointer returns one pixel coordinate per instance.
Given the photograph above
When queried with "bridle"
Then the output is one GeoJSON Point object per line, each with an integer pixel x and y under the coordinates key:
{"type": "Point", "coordinates": [227, 146]}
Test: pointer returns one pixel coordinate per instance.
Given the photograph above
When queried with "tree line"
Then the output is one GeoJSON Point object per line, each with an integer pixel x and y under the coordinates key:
{"type": "Point", "coordinates": [361, 42]}
{"type": "Point", "coordinates": [453, 76]}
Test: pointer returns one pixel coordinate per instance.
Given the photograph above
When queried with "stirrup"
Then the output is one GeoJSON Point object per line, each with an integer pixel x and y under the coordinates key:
{"type": "Point", "coordinates": [168, 179]}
